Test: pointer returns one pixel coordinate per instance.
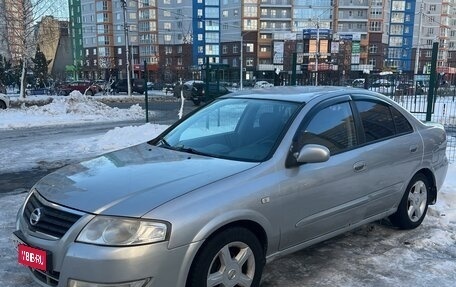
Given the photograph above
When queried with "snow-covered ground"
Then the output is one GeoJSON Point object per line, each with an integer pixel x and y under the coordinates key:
{"type": "Point", "coordinates": [373, 255]}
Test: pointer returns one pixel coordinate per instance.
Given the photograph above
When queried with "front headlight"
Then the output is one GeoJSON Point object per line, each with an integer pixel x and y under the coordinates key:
{"type": "Point", "coordinates": [117, 231]}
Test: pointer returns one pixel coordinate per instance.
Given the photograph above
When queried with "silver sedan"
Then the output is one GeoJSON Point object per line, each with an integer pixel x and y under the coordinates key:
{"type": "Point", "coordinates": [241, 181]}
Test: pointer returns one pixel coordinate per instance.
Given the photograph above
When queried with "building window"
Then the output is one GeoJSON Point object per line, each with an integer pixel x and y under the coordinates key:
{"type": "Point", "coordinates": [398, 6]}
{"type": "Point", "coordinates": [373, 48]}
{"type": "Point", "coordinates": [375, 26]}
{"type": "Point", "coordinates": [249, 48]}
{"type": "Point", "coordinates": [250, 11]}
{"type": "Point", "coordinates": [396, 29]}
{"type": "Point", "coordinates": [397, 17]}
{"type": "Point", "coordinates": [250, 24]}
{"type": "Point", "coordinates": [396, 41]}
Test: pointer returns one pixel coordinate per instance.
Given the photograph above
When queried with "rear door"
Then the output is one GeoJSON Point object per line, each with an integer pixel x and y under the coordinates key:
{"type": "Point", "coordinates": [390, 149]}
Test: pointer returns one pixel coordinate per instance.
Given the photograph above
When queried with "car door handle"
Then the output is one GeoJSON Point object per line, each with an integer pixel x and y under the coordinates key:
{"type": "Point", "coordinates": [359, 166]}
{"type": "Point", "coordinates": [413, 148]}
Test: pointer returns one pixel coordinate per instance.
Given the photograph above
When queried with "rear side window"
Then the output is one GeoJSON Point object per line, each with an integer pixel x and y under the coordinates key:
{"type": "Point", "coordinates": [402, 124]}
{"type": "Point", "coordinates": [376, 119]}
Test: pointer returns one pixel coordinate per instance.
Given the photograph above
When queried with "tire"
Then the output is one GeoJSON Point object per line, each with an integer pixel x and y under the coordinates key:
{"type": "Point", "coordinates": [217, 263]}
{"type": "Point", "coordinates": [196, 102]}
{"type": "Point", "coordinates": [89, 93]}
{"type": "Point", "coordinates": [414, 204]}
{"type": "Point", "coordinates": [2, 105]}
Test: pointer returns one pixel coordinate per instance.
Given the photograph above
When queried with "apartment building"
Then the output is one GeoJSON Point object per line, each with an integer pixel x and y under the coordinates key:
{"type": "Point", "coordinates": [436, 23]}
{"type": "Point", "coordinates": [53, 39]}
{"type": "Point", "coordinates": [4, 49]}
{"type": "Point", "coordinates": [256, 39]}
{"type": "Point", "coordinates": [15, 33]}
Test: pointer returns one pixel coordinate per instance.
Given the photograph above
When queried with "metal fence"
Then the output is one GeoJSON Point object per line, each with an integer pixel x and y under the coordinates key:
{"type": "Point", "coordinates": [412, 95]}
{"type": "Point", "coordinates": [443, 112]}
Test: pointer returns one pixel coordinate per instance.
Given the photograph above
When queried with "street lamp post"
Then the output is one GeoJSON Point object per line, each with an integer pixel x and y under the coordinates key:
{"type": "Point", "coordinates": [127, 53]}
{"type": "Point", "coordinates": [317, 54]}
{"type": "Point", "coordinates": [241, 71]}
{"type": "Point", "coordinates": [417, 56]}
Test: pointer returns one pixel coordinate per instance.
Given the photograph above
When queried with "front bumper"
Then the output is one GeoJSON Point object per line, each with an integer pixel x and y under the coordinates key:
{"type": "Point", "coordinates": [156, 263]}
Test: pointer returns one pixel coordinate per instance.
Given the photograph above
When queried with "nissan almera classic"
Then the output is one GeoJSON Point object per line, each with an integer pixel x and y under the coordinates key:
{"type": "Point", "coordinates": [245, 179]}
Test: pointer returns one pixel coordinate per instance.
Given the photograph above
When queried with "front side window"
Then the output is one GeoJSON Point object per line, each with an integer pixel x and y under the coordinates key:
{"type": "Point", "coordinates": [332, 127]}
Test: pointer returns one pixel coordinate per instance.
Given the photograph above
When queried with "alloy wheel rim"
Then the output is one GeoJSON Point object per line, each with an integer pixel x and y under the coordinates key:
{"type": "Point", "coordinates": [233, 265]}
{"type": "Point", "coordinates": [417, 201]}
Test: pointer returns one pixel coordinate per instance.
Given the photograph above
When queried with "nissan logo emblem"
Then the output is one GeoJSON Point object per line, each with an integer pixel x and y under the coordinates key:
{"type": "Point", "coordinates": [35, 216]}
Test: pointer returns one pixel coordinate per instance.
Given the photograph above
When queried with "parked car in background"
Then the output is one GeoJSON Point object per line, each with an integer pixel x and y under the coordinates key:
{"type": "Point", "coordinates": [168, 88]}
{"type": "Point", "coordinates": [262, 84]}
{"type": "Point", "coordinates": [358, 83]}
{"type": "Point", "coordinates": [4, 101]}
{"type": "Point", "coordinates": [186, 88]}
{"type": "Point", "coordinates": [382, 86]}
{"type": "Point", "coordinates": [204, 93]}
{"type": "Point", "coordinates": [121, 86]}
{"type": "Point", "coordinates": [88, 88]}
{"type": "Point", "coordinates": [245, 179]}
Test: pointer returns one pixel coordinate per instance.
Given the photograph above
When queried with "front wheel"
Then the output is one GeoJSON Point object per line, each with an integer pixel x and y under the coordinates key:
{"type": "Point", "coordinates": [414, 204]}
{"type": "Point", "coordinates": [233, 257]}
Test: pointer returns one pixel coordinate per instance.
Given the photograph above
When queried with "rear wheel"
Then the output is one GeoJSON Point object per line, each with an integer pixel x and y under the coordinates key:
{"type": "Point", "coordinates": [89, 93]}
{"type": "Point", "coordinates": [414, 204]}
{"type": "Point", "coordinates": [233, 257]}
{"type": "Point", "coordinates": [2, 105]}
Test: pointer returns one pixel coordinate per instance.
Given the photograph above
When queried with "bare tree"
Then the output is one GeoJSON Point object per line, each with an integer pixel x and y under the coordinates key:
{"type": "Point", "coordinates": [18, 19]}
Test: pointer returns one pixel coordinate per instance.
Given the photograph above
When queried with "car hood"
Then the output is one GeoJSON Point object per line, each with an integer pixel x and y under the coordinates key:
{"type": "Point", "coordinates": [133, 181]}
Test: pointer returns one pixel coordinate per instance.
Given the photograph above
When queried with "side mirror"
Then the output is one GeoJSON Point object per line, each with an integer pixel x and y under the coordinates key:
{"type": "Point", "coordinates": [312, 153]}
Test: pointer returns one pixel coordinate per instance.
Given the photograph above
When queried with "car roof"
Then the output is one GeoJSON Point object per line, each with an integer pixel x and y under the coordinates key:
{"type": "Point", "coordinates": [302, 94]}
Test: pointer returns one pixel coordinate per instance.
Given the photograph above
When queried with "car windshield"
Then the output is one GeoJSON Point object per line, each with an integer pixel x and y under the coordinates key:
{"type": "Point", "coordinates": [237, 129]}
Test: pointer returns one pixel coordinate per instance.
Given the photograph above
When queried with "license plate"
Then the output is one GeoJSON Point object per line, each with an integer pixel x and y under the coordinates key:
{"type": "Point", "coordinates": [30, 256]}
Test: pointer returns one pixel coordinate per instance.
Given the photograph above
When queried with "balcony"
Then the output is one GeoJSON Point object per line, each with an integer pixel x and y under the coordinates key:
{"type": "Point", "coordinates": [353, 4]}
{"type": "Point", "coordinates": [276, 3]}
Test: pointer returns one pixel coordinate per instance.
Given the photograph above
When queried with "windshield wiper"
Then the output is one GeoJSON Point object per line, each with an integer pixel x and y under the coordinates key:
{"type": "Point", "coordinates": [188, 150]}
{"type": "Point", "coordinates": [163, 143]}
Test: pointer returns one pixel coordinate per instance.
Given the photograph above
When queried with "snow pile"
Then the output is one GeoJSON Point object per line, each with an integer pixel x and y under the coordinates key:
{"type": "Point", "coordinates": [75, 108]}
{"type": "Point", "coordinates": [118, 138]}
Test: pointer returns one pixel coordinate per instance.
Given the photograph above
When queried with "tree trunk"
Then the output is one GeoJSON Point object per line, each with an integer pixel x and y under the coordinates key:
{"type": "Point", "coordinates": [23, 84]}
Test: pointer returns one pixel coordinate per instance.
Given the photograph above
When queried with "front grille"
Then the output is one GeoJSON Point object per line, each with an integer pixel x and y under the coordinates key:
{"type": "Point", "coordinates": [50, 278]}
{"type": "Point", "coordinates": [54, 222]}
